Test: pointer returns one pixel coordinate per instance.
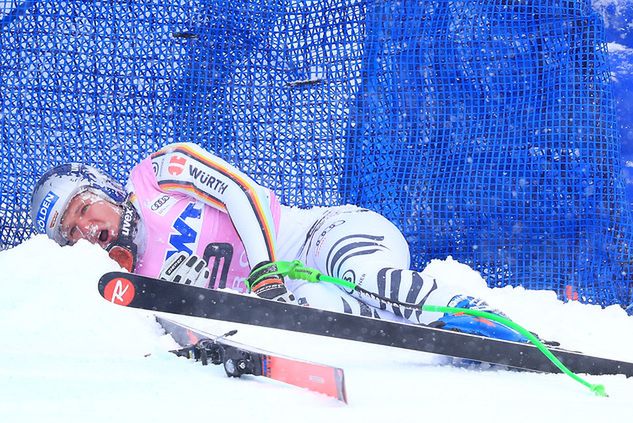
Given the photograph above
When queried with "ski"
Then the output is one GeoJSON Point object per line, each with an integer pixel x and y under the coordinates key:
{"type": "Point", "coordinates": [240, 359]}
{"type": "Point", "coordinates": [137, 291]}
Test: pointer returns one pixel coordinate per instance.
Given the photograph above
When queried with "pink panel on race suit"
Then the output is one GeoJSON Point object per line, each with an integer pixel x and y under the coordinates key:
{"type": "Point", "coordinates": [179, 222]}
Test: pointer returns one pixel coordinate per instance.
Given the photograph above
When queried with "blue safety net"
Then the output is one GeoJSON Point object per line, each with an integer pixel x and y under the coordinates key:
{"type": "Point", "coordinates": [484, 129]}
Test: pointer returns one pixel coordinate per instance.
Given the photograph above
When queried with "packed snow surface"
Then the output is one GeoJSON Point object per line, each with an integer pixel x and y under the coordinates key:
{"type": "Point", "coordinates": [66, 355]}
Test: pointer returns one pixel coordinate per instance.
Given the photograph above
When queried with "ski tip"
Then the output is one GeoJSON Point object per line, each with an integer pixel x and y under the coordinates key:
{"type": "Point", "coordinates": [117, 288]}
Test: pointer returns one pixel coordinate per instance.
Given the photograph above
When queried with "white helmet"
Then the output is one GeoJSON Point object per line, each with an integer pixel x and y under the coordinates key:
{"type": "Point", "coordinates": [59, 185]}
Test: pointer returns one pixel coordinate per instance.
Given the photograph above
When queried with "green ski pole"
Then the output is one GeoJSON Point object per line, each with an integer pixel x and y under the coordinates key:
{"type": "Point", "coordinates": [296, 270]}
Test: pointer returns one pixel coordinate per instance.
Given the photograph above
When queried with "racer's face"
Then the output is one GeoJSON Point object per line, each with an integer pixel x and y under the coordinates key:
{"type": "Point", "coordinates": [91, 217]}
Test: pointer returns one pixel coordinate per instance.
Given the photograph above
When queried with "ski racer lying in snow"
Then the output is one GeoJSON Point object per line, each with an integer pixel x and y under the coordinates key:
{"type": "Point", "coordinates": [188, 216]}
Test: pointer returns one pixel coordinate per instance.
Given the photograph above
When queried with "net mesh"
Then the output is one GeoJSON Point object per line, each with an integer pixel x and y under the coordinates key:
{"type": "Point", "coordinates": [484, 129]}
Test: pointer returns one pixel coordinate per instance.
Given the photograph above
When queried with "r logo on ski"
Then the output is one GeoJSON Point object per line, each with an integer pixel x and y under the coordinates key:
{"type": "Point", "coordinates": [119, 291]}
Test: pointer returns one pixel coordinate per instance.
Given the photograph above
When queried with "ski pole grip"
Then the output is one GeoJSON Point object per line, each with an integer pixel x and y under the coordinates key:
{"type": "Point", "coordinates": [304, 273]}
{"type": "Point", "coordinates": [296, 270]}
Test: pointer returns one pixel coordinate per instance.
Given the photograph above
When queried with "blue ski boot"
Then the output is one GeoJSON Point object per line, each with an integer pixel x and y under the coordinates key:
{"type": "Point", "coordinates": [461, 322]}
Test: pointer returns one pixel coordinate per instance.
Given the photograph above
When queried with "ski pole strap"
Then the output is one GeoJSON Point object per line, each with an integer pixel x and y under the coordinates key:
{"type": "Point", "coordinates": [296, 270]}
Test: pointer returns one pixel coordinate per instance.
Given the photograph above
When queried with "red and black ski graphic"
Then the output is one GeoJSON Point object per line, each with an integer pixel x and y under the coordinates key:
{"type": "Point", "coordinates": [240, 359]}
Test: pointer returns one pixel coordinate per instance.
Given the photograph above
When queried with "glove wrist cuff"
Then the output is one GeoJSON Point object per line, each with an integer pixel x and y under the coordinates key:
{"type": "Point", "coordinates": [265, 283]}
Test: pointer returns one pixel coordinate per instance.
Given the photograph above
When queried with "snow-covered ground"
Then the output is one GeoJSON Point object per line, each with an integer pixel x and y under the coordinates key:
{"type": "Point", "coordinates": [66, 355]}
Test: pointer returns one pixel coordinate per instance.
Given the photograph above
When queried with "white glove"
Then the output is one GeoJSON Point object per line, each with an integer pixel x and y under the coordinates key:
{"type": "Point", "coordinates": [188, 269]}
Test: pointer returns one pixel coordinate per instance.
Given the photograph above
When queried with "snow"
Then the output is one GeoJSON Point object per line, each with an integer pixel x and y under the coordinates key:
{"type": "Point", "coordinates": [617, 48]}
{"type": "Point", "coordinates": [66, 355]}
